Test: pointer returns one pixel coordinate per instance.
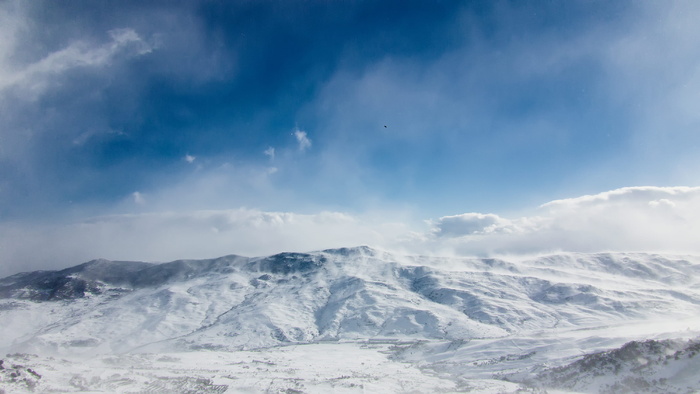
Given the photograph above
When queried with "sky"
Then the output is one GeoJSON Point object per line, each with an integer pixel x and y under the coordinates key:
{"type": "Point", "coordinates": [157, 130]}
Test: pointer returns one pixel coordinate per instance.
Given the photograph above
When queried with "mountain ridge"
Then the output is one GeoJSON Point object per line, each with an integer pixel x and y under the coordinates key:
{"type": "Point", "coordinates": [114, 271]}
{"type": "Point", "coordinates": [480, 322]}
{"type": "Point", "coordinates": [235, 302]}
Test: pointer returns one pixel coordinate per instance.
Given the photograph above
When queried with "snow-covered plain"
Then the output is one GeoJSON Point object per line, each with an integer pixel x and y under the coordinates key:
{"type": "Point", "coordinates": [353, 320]}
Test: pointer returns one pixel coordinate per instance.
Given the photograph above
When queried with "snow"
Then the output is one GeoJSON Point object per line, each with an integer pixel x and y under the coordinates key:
{"type": "Point", "coordinates": [313, 368]}
{"type": "Point", "coordinates": [345, 320]}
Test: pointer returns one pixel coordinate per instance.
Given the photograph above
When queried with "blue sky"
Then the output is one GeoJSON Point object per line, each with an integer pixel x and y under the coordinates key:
{"type": "Point", "coordinates": [384, 113]}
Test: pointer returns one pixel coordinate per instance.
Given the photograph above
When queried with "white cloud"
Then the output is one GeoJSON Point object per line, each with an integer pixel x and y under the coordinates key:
{"type": "Point", "coordinates": [138, 198]}
{"type": "Point", "coordinates": [627, 196]}
{"type": "Point", "coordinates": [270, 152]}
{"type": "Point", "coordinates": [658, 219]}
{"type": "Point", "coordinates": [302, 139]}
{"type": "Point", "coordinates": [31, 80]}
{"type": "Point", "coordinates": [468, 224]}
{"type": "Point", "coordinates": [168, 236]}
{"type": "Point", "coordinates": [190, 159]}
{"type": "Point", "coordinates": [655, 219]}
{"type": "Point", "coordinates": [662, 203]}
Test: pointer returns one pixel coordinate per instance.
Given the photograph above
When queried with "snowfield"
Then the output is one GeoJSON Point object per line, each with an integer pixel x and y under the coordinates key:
{"type": "Point", "coordinates": [356, 320]}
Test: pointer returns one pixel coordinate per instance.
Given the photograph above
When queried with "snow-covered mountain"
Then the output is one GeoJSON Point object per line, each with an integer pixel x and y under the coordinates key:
{"type": "Point", "coordinates": [668, 366]}
{"type": "Point", "coordinates": [466, 317]}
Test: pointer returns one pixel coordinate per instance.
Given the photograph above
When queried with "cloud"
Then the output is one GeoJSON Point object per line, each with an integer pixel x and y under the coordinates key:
{"type": "Point", "coordinates": [662, 203]}
{"type": "Point", "coordinates": [656, 219]}
{"type": "Point", "coordinates": [138, 198]}
{"type": "Point", "coordinates": [31, 80]}
{"type": "Point", "coordinates": [168, 236]}
{"type": "Point", "coordinates": [270, 152]}
{"type": "Point", "coordinates": [576, 105]}
{"type": "Point", "coordinates": [485, 108]}
{"type": "Point", "coordinates": [467, 224]}
{"type": "Point", "coordinates": [78, 106]}
{"type": "Point", "coordinates": [519, 94]}
{"type": "Point", "coordinates": [653, 219]}
{"type": "Point", "coordinates": [302, 139]}
{"type": "Point", "coordinates": [626, 196]}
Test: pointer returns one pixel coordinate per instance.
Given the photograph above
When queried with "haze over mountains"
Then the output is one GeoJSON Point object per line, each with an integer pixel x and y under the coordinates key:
{"type": "Point", "coordinates": [448, 315]}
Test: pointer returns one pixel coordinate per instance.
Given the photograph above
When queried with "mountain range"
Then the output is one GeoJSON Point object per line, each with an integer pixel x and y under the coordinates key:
{"type": "Point", "coordinates": [496, 324]}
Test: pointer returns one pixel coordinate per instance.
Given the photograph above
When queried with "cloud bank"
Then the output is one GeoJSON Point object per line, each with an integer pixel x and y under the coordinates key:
{"type": "Point", "coordinates": [653, 219]}
{"type": "Point", "coordinates": [656, 219]}
{"type": "Point", "coordinates": [168, 236]}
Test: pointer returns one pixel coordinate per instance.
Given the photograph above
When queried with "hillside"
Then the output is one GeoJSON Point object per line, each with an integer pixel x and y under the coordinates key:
{"type": "Point", "coordinates": [465, 317]}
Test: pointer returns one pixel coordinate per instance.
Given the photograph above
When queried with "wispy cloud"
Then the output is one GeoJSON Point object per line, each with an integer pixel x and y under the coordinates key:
{"type": "Point", "coordinates": [270, 152]}
{"type": "Point", "coordinates": [560, 107]}
{"type": "Point", "coordinates": [31, 80]}
{"type": "Point", "coordinates": [302, 139]}
{"type": "Point", "coordinates": [138, 198]}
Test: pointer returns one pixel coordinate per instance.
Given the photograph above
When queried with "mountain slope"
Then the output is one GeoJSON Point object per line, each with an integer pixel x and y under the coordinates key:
{"type": "Point", "coordinates": [668, 366]}
{"type": "Point", "coordinates": [236, 302]}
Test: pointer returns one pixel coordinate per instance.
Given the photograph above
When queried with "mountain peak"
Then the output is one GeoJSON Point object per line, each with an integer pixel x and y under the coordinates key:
{"type": "Point", "coordinates": [362, 250]}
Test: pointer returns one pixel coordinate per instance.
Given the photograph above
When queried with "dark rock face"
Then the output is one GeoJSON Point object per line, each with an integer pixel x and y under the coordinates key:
{"type": "Point", "coordinates": [48, 286]}
{"type": "Point", "coordinates": [70, 283]}
{"type": "Point", "coordinates": [289, 263]}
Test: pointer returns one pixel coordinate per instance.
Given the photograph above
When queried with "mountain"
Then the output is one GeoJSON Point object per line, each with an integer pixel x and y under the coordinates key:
{"type": "Point", "coordinates": [668, 366]}
{"type": "Point", "coordinates": [508, 320]}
